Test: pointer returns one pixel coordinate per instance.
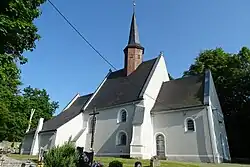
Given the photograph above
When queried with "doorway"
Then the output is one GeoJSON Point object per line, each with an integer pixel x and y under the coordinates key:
{"type": "Point", "coordinates": [160, 146]}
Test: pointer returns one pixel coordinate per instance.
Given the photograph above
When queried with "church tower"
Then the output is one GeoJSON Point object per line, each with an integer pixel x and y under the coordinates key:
{"type": "Point", "coordinates": [133, 51]}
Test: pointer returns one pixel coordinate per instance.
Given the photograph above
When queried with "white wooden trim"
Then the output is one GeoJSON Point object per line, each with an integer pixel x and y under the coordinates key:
{"type": "Point", "coordinates": [71, 102]}
{"type": "Point", "coordinates": [98, 88]}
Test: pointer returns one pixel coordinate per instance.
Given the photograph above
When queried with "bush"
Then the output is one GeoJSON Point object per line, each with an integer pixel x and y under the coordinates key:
{"type": "Point", "coordinates": [64, 156]}
{"type": "Point", "coordinates": [115, 164]}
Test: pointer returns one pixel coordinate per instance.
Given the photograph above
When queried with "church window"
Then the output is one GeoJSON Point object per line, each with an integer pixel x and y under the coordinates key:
{"type": "Point", "coordinates": [122, 116]}
{"type": "Point", "coordinates": [121, 139]}
{"type": "Point", "coordinates": [160, 146]}
{"type": "Point", "coordinates": [189, 124]}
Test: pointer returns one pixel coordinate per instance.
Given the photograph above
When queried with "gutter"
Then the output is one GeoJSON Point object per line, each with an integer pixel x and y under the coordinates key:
{"type": "Point", "coordinates": [122, 104]}
{"type": "Point", "coordinates": [52, 130]}
{"type": "Point", "coordinates": [178, 109]}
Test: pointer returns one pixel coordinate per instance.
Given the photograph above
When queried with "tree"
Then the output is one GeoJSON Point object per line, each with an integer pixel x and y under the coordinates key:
{"type": "Point", "coordinates": [40, 101]}
{"type": "Point", "coordinates": [17, 31]}
{"type": "Point", "coordinates": [14, 121]}
{"type": "Point", "coordinates": [231, 74]}
{"type": "Point", "coordinates": [18, 34]}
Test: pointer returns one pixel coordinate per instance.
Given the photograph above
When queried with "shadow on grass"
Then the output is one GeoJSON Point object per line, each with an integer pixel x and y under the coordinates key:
{"type": "Point", "coordinates": [241, 161]}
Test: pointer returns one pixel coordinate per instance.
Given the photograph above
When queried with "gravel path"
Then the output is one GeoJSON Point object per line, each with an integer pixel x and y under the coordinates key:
{"type": "Point", "coordinates": [10, 162]}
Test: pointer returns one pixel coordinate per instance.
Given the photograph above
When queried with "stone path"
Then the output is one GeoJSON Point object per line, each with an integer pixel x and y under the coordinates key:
{"type": "Point", "coordinates": [10, 162]}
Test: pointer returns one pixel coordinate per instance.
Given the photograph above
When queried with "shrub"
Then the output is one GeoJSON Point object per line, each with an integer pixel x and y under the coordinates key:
{"type": "Point", "coordinates": [115, 164]}
{"type": "Point", "coordinates": [64, 156]}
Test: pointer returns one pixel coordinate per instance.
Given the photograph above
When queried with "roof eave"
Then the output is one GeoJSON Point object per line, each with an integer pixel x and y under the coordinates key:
{"type": "Point", "coordinates": [118, 105]}
{"type": "Point", "coordinates": [198, 106]}
{"type": "Point", "coordinates": [50, 130]}
{"type": "Point", "coordinates": [93, 95]}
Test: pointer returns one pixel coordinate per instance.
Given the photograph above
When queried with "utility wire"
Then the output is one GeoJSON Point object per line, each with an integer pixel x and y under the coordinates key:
{"type": "Point", "coordinates": [80, 34]}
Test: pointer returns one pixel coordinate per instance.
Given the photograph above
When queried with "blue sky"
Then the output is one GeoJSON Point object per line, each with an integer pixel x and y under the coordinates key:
{"type": "Point", "coordinates": [64, 64]}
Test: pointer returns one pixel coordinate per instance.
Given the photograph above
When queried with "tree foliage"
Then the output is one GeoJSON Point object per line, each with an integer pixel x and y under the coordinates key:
{"type": "Point", "coordinates": [40, 101]}
{"type": "Point", "coordinates": [231, 74]}
{"type": "Point", "coordinates": [18, 34]}
{"type": "Point", "coordinates": [62, 156]}
{"type": "Point", "coordinates": [17, 31]}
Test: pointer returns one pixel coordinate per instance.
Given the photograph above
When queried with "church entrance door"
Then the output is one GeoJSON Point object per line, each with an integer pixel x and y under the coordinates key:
{"type": "Point", "coordinates": [160, 146]}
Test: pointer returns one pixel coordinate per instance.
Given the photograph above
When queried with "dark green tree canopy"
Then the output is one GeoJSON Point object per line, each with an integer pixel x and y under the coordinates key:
{"type": "Point", "coordinates": [17, 31]}
{"type": "Point", "coordinates": [231, 74]}
{"type": "Point", "coordinates": [18, 34]}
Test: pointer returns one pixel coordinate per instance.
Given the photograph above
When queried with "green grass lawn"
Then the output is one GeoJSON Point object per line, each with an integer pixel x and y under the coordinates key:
{"type": "Point", "coordinates": [145, 163]}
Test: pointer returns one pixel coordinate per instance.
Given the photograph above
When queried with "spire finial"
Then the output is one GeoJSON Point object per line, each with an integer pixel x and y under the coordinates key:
{"type": "Point", "coordinates": [134, 5]}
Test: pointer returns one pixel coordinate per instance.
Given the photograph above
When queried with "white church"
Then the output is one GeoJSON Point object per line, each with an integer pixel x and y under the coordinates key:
{"type": "Point", "coordinates": [142, 113]}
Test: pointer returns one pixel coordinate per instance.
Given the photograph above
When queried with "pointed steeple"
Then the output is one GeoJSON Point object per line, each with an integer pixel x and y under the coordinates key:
{"type": "Point", "coordinates": [134, 34]}
{"type": "Point", "coordinates": [133, 51]}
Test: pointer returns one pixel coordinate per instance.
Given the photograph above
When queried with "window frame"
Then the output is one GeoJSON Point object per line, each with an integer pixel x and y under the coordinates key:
{"type": "Point", "coordinates": [164, 140]}
{"type": "Point", "coordinates": [119, 137]}
{"type": "Point", "coordinates": [186, 124]}
{"type": "Point", "coordinates": [119, 116]}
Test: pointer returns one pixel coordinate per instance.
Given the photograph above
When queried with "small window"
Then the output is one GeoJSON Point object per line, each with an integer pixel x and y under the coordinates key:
{"type": "Point", "coordinates": [122, 139]}
{"type": "Point", "coordinates": [189, 124]}
{"type": "Point", "coordinates": [122, 116]}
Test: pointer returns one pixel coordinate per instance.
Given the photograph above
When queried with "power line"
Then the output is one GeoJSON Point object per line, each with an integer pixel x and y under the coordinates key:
{"type": "Point", "coordinates": [80, 34]}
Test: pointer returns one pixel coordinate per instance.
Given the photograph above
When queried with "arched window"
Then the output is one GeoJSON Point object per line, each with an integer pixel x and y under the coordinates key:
{"type": "Point", "coordinates": [122, 116]}
{"type": "Point", "coordinates": [189, 125]}
{"type": "Point", "coordinates": [91, 124]}
{"type": "Point", "coordinates": [160, 146]}
{"type": "Point", "coordinates": [121, 139]}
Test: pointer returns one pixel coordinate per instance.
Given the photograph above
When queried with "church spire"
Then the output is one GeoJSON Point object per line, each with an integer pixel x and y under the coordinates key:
{"type": "Point", "coordinates": [134, 34]}
{"type": "Point", "coordinates": [133, 51]}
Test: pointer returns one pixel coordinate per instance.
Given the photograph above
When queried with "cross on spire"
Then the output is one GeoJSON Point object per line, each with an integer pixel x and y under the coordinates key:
{"type": "Point", "coordinates": [134, 5]}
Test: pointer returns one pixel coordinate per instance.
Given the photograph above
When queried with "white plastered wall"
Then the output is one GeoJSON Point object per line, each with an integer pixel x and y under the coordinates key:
{"type": "Point", "coordinates": [150, 94]}
{"type": "Point", "coordinates": [69, 130]}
